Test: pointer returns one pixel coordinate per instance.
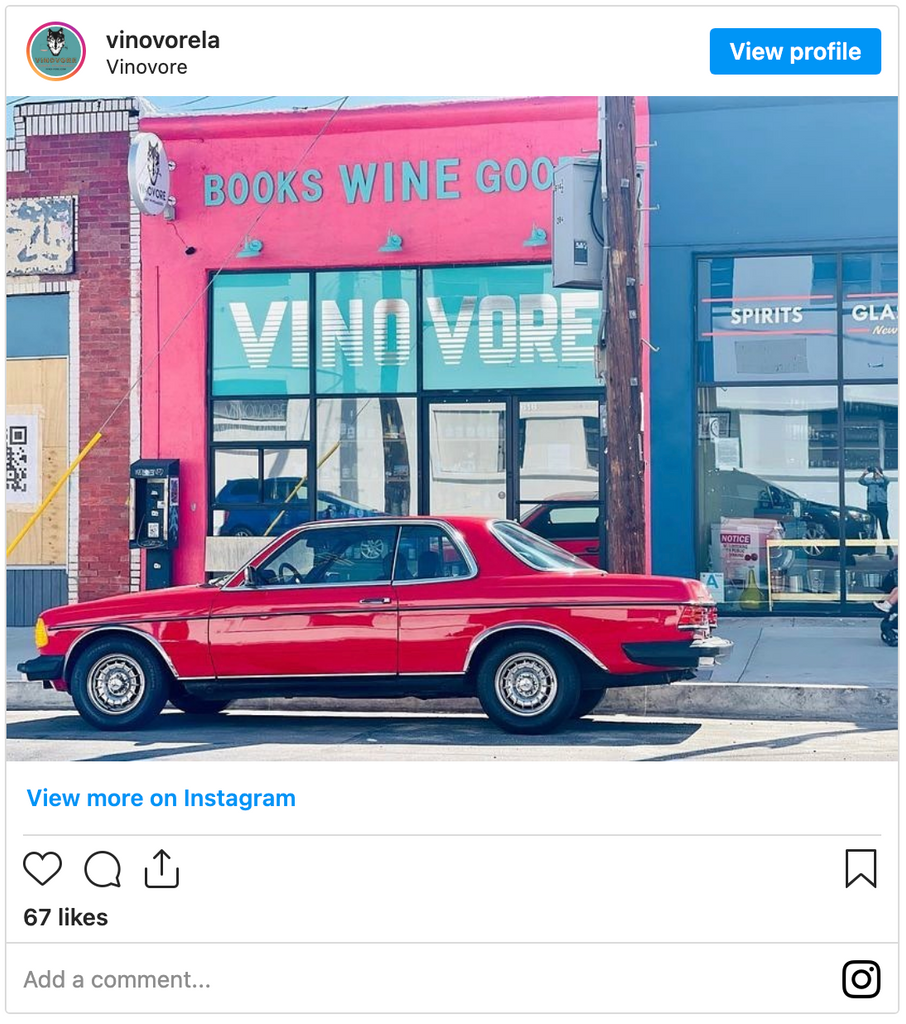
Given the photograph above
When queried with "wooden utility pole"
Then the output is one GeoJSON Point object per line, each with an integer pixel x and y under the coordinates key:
{"type": "Point", "coordinates": [625, 462]}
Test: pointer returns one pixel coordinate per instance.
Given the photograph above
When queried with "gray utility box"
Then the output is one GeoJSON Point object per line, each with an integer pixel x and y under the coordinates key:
{"type": "Point", "coordinates": [578, 256]}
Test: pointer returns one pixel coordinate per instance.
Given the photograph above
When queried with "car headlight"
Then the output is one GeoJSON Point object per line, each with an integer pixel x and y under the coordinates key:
{"type": "Point", "coordinates": [41, 637]}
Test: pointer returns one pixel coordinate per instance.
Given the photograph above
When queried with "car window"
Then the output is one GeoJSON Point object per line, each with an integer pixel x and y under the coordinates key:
{"type": "Point", "coordinates": [344, 554]}
{"type": "Point", "coordinates": [567, 522]}
{"type": "Point", "coordinates": [284, 489]}
{"type": "Point", "coordinates": [239, 490]}
{"type": "Point", "coordinates": [332, 507]}
{"type": "Point", "coordinates": [538, 553]}
{"type": "Point", "coordinates": [428, 552]}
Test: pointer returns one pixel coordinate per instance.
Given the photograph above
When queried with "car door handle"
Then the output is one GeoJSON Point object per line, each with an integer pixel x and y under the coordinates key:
{"type": "Point", "coordinates": [592, 551]}
{"type": "Point", "coordinates": [375, 600]}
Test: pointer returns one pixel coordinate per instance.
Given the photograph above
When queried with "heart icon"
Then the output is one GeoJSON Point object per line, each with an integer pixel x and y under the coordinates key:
{"type": "Point", "coordinates": [42, 866]}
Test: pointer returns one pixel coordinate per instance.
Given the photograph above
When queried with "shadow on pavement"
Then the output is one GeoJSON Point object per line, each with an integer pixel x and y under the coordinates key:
{"type": "Point", "coordinates": [187, 734]}
{"type": "Point", "coordinates": [775, 743]}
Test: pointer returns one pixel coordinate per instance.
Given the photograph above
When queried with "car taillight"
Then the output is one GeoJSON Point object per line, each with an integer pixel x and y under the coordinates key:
{"type": "Point", "coordinates": [698, 616]}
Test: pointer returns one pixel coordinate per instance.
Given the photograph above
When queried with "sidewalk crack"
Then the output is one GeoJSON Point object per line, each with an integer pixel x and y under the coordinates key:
{"type": "Point", "coordinates": [745, 667]}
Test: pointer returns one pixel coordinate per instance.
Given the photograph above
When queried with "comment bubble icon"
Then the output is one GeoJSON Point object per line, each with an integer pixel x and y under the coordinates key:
{"type": "Point", "coordinates": [103, 869]}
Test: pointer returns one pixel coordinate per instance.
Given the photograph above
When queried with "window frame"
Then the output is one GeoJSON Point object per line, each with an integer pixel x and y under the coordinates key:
{"type": "Point", "coordinates": [308, 528]}
{"type": "Point", "coordinates": [455, 538]}
{"type": "Point", "coordinates": [423, 396]}
{"type": "Point", "coordinates": [840, 382]}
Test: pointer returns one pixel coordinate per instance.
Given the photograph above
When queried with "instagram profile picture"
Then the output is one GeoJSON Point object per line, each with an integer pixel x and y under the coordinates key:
{"type": "Point", "coordinates": [55, 51]}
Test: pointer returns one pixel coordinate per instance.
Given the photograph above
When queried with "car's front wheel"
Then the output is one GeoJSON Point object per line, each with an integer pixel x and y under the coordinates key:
{"type": "Point", "coordinates": [528, 685]}
{"type": "Point", "coordinates": [118, 683]}
{"type": "Point", "coordinates": [816, 536]}
{"type": "Point", "coordinates": [242, 531]}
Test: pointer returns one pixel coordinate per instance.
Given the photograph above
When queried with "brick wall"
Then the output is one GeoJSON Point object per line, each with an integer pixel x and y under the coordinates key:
{"type": "Point", "coordinates": [70, 149]}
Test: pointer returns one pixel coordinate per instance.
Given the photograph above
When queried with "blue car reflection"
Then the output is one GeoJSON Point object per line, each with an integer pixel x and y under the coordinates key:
{"type": "Point", "coordinates": [285, 506]}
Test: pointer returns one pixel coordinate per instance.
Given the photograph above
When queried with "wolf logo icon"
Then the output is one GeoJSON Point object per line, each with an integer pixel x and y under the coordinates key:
{"type": "Point", "coordinates": [154, 163]}
{"type": "Point", "coordinates": [55, 51]}
{"type": "Point", "coordinates": [55, 40]}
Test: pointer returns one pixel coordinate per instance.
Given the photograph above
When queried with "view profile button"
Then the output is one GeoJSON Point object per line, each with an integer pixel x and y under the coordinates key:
{"type": "Point", "coordinates": [795, 51]}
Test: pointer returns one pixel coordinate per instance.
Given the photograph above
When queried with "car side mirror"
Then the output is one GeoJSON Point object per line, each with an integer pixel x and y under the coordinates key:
{"type": "Point", "coordinates": [250, 576]}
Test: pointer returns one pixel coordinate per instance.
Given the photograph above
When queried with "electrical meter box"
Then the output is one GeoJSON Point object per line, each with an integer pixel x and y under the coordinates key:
{"type": "Point", "coordinates": [578, 257]}
{"type": "Point", "coordinates": [154, 493]}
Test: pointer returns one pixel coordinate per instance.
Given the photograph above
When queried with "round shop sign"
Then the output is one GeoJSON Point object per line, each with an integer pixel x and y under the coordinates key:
{"type": "Point", "coordinates": [55, 51]}
{"type": "Point", "coordinates": [149, 173]}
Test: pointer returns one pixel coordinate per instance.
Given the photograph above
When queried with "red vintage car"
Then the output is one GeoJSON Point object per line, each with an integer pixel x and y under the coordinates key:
{"type": "Point", "coordinates": [415, 606]}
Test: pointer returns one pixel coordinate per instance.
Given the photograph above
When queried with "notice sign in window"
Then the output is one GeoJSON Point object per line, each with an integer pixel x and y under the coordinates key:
{"type": "Point", "coordinates": [795, 51]}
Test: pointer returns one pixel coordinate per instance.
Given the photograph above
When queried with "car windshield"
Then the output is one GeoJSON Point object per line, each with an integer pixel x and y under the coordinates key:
{"type": "Point", "coordinates": [538, 553]}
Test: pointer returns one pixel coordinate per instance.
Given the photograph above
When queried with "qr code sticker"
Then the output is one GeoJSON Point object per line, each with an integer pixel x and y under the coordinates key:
{"type": "Point", "coordinates": [17, 464]}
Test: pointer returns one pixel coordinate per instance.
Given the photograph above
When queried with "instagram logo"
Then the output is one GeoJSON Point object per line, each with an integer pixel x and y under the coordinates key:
{"type": "Point", "coordinates": [861, 979]}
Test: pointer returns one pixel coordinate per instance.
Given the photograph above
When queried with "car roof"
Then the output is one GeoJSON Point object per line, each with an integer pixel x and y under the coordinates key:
{"type": "Point", "coordinates": [457, 522]}
{"type": "Point", "coordinates": [589, 496]}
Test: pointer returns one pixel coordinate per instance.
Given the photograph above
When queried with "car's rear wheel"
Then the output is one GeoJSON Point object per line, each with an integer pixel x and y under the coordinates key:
{"type": "Point", "coordinates": [118, 683]}
{"type": "Point", "coordinates": [588, 701]}
{"type": "Point", "coordinates": [528, 685]}
{"type": "Point", "coordinates": [194, 705]}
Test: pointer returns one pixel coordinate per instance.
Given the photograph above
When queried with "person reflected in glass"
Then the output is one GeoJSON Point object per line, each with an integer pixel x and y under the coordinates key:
{"type": "Point", "coordinates": [876, 482]}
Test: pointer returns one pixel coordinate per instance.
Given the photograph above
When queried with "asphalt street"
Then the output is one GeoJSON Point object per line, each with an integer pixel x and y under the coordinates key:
{"type": "Point", "coordinates": [309, 736]}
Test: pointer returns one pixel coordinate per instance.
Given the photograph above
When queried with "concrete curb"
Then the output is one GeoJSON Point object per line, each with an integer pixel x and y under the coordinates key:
{"type": "Point", "coordinates": [771, 701]}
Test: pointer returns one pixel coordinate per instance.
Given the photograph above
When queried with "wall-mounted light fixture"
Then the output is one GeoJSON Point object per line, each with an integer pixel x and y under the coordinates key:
{"type": "Point", "coordinates": [537, 236]}
{"type": "Point", "coordinates": [251, 247]}
{"type": "Point", "coordinates": [394, 243]}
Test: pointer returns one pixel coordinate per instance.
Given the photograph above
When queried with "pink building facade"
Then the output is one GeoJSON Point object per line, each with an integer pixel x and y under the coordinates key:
{"type": "Point", "coordinates": [354, 314]}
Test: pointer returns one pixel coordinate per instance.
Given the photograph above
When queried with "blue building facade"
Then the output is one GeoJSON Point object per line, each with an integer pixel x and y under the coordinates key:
{"type": "Point", "coordinates": [773, 281]}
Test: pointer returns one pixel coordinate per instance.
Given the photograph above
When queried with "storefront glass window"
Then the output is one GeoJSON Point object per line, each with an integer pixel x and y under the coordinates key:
{"type": "Point", "coordinates": [260, 491]}
{"type": "Point", "coordinates": [261, 419]}
{"type": "Point", "coordinates": [468, 458]}
{"type": "Point", "coordinates": [236, 476]}
{"type": "Point", "coordinates": [367, 456]}
{"type": "Point", "coordinates": [559, 450]}
{"type": "Point", "coordinates": [366, 331]}
{"type": "Point", "coordinates": [769, 519]}
{"type": "Point", "coordinates": [260, 334]}
{"type": "Point", "coordinates": [870, 315]}
{"type": "Point", "coordinates": [489, 327]}
{"type": "Point", "coordinates": [284, 473]}
{"type": "Point", "coordinates": [872, 485]}
{"type": "Point", "coordinates": [767, 318]}
{"type": "Point", "coordinates": [798, 485]}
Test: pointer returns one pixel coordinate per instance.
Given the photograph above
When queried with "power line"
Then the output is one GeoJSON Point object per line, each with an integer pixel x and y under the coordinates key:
{"type": "Point", "coordinates": [213, 277]}
{"type": "Point", "coordinates": [99, 432]}
{"type": "Point", "coordinates": [247, 103]}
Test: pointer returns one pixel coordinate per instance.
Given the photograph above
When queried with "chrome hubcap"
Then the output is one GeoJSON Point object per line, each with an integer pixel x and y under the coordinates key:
{"type": "Point", "coordinates": [116, 684]}
{"type": "Point", "coordinates": [815, 534]}
{"type": "Point", "coordinates": [526, 684]}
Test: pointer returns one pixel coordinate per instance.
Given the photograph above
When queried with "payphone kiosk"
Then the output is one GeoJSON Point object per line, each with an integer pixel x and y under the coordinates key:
{"type": "Point", "coordinates": [154, 519]}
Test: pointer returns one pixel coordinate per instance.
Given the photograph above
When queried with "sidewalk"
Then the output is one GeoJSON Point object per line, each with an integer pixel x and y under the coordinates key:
{"type": "Point", "coordinates": [833, 669]}
{"type": "Point", "coordinates": [831, 651]}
